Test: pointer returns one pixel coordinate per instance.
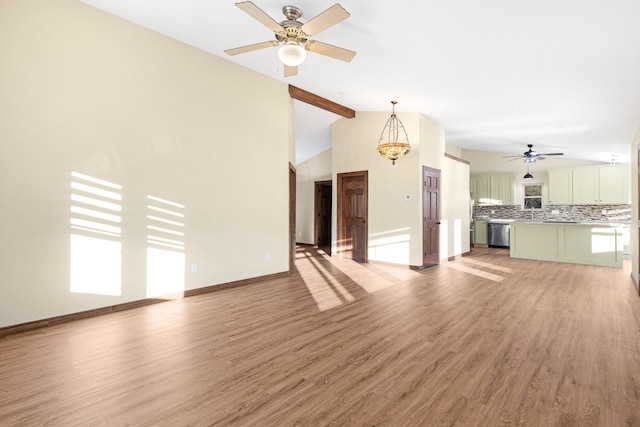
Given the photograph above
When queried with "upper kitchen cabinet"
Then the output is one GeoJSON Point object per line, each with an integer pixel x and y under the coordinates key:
{"type": "Point", "coordinates": [503, 189]}
{"type": "Point", "coordinates": [479, 186]}
{"type": "Point", "coordinates": [489, 190]}
{"type": "Point", "coordinates": [607, 185]}
{"type": "Point", "coordinates": [560, 187]}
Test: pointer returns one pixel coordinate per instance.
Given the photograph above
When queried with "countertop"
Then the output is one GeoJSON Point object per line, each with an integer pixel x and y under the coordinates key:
{"type": "Point", "coordinates": [552, 222]}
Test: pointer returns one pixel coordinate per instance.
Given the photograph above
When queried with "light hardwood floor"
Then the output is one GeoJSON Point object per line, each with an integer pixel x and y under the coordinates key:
{"type": "Point", "coordinates": [485, 340]}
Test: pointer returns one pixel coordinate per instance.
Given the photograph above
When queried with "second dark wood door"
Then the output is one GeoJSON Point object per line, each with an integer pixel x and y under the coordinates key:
{"type": "Point", "coordinates": [352, 215]}
{"type": "Point", "coordinates": [431, 216]}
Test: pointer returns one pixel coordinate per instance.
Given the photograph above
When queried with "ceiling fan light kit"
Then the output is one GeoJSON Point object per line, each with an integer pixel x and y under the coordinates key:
{"type": "Point", "coordinates": [292, 54]}
{"type": "Point", "coordinates": [293, 36]}
{"type": "Point", "coordinates": [394, 142]}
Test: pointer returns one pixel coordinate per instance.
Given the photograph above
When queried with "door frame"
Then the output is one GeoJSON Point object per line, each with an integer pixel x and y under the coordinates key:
{"type": "Point", "coordinates": [292, 217]}
{"type": "Point", "coordinates": [340, 213]}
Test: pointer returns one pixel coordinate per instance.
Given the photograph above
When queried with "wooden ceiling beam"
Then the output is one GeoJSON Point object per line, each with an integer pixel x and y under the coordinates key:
{"type": "Point", "coordinates": [318, 101]}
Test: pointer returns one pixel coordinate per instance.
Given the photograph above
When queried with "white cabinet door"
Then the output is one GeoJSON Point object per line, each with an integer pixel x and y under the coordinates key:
{"type": "Point", "coordinates": [495, 187]}
{"type": "Point", "coordinates": [602, 185]}
{"type": "Point", "coordinates": [480, 231]}
{"type": "Point", "coordinates": [503, 188]}
{"type": "Point", "coordinates": [560, 187]}
{"type": "Point", "coordinates": [585, 186]}
{"type": "Point", "coordinates": [508, 190]}
{"type": "Point", "coordinates": [484, 198]}
{"type": "Point", "coordinates": [613, 185]}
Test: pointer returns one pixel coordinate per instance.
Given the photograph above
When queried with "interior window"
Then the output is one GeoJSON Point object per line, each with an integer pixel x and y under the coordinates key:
{"type": "Point", "coordinates": [532, 196]}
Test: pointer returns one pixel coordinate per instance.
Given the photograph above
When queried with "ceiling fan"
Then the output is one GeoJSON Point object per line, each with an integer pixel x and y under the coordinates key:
{"type": "Point", "coordinates": [531, 156]}
{"type": "Point", "coordinates": [293, 36]}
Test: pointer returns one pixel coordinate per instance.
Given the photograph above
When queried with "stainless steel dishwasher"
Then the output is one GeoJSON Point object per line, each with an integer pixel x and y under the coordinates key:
{"type": "Point", "coordinates": [499, 230]}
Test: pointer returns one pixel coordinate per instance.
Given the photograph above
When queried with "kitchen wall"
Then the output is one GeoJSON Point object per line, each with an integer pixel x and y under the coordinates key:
{"type": "Point", "coordinates": [489, 162]}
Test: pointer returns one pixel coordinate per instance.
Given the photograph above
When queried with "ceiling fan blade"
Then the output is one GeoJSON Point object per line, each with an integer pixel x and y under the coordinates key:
{"type": "Point", "coordinates": [250, 48]}
{"type": "Point", "coordinates": [260, 16]}
{"type": "Point", "coordinates": [550, 154]}
{"type": "Point", "coordinates": [290, 71]}
{"type": "Point", "coordinates": [330, 50]}
{"type": "Point", "coordinates": [324, 20]}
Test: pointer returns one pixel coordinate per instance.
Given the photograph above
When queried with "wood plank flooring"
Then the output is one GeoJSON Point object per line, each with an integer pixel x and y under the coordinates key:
{"type": "Point", "coordinates": [482, 340]}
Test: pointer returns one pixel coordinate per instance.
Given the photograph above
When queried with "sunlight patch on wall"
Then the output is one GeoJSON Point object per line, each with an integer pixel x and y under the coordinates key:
{"type": "Point", "coordinates": [391, 246]}
{"type": "Point", "coordinates": [444, 239]}
{"type": "Point", "coordinates": [95, 247]}
{"type": "Point", "coordinates": [165, 250]}
{"type": "Point", "coordinates": [457, 236]}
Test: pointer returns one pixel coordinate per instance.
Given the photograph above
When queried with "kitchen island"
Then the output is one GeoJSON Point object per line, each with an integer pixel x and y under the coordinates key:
{"type": "Point", "coordinates": [573, 242]}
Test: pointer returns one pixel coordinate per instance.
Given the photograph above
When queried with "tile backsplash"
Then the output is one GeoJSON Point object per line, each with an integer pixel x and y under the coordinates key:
{"type": "Point", "coordinates": [599, 213]}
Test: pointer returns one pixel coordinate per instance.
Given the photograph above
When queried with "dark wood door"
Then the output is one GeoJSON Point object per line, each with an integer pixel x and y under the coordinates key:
{"type": "Point", "coordinates": [431, 216]}
{"type": "Point", "coordinates": [292, 217]}
{"type": "Point", "coordinates": [352, 215]}
{"type": "Point", "coordinates": [323, 215]}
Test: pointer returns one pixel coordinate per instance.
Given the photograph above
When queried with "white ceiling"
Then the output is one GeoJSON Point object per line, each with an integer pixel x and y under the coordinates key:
{"type": "Point", "coordinates": [498, 74]}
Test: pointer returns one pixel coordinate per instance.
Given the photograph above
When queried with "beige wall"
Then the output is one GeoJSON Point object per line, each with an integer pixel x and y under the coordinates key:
{"type": "Point", "coordinates": [317, 168]}
{"type": "Point", "coordinates": [635, 223]}
{"type": "Point", "coordinates": [395, 191]}
{"type": "Point", "coordinates": [456, 208]}
{"type": "Point", "coordinates": [82, 91]}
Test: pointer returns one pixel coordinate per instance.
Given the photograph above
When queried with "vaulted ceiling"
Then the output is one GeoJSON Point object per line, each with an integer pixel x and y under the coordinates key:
{"type": "Point", "coordinates": [498, 74]}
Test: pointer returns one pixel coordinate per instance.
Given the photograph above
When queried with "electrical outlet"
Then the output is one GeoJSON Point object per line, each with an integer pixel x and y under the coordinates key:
{"type": "Point", "coordinates": [267, 257]}
{"type": "Point", "coordinates": [194, 267]}
{"type": "Point", "coordinates": [492, 211]}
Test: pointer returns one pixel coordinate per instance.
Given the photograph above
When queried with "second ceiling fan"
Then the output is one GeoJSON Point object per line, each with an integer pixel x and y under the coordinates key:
{"type": "Point", "coordinates": [531, 156]}
{"type": "Point", "coordinates": [294, 37]}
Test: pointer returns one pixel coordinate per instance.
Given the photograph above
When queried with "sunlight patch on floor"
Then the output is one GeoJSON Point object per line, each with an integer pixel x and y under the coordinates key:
{"type": "Point", "coordinates": [326, 291]}
{"type": "Point", "coordinates": [467, 260]}
{"type": "Point", "coordinates": [475, 271]}
{"type": "Point", "coordinates": [368, 280]}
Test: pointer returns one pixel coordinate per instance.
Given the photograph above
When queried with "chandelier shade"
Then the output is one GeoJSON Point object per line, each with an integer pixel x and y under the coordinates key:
{"type": "Point", "coordinates": [394, 142]}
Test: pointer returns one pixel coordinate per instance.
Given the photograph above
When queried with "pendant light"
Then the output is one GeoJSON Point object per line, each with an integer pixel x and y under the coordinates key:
{"type": "Point", "coordinates": [528, 175]}
{"type": "Point", "coordinates": [394, 142]}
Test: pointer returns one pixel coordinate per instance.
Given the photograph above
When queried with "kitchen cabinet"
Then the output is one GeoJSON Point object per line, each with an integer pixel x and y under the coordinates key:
{"type": "Point", "coordinates": [613, 185]}
{"type": "Point", "coordinates": [480, 230]}
{"type": "Point", "coordinates": [592, 244]}
{"type": "Point", "coordinates": [479, 186]}
{"type": "Point", "coordinates": [607, 185]}
{"type": "Point", "coordinates": [502, 189]}
{"type": "Point", "coordinates": [590, 185]}
{"type": "Point", "coordinates": [491, 190]}
{"type": "Point", "coordinates": [560, 187]}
